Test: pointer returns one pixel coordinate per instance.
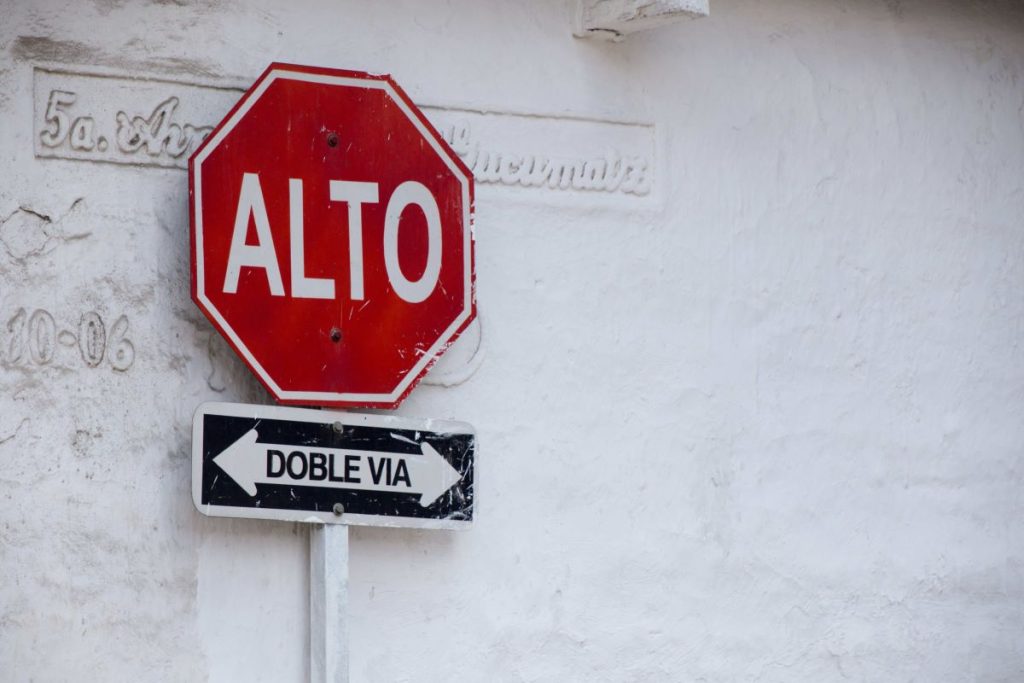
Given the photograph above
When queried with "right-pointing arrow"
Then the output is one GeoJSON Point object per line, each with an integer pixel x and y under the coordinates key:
{"type": "Point", "coordinates": [249, 462]}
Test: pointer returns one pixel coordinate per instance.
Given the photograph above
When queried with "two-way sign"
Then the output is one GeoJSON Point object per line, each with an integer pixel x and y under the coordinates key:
{"type": "Point", "coordinates": [305, 465]}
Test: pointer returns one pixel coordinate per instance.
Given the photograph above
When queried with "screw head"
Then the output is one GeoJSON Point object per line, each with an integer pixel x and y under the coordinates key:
{"type": "Point", "coordinates": [335, 335]}
{"type": "Point", "coordinates": [339, 509]}
{"type": "Point", "coordinates": [332, 139]}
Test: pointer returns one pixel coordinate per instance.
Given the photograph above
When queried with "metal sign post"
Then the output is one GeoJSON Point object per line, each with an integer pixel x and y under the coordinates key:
{"type": "Point", "coordinates": [328, 603]}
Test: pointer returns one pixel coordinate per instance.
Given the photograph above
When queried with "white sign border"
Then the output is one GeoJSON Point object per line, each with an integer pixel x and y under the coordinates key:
{"type": "Point", "coordinates": [425, 359]}
{"type": "Point", "coordinates": [255, 411]}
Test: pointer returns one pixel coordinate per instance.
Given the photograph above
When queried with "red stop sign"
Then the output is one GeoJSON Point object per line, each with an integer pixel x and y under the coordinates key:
{"type": "Point", "coordinates": [331, 236]}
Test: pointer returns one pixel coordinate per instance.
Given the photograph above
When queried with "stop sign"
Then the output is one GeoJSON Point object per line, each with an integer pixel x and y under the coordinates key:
{"type": "Point", "coordinates": [332, 240]}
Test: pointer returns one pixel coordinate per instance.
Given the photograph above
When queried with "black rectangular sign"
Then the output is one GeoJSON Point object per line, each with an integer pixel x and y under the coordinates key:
{"type": "Point", "coordinates": [305, 465]}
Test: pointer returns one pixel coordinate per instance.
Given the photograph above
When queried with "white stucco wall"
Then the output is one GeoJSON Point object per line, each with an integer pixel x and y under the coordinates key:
{"type": "Point", "coordinates": [762, 421]}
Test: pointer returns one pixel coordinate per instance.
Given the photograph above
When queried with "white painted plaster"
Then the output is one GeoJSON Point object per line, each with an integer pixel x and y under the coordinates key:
{"type": "Point", "coordinates": [615, 19]}
{"type": "Point", "coordinates": [762, 423]}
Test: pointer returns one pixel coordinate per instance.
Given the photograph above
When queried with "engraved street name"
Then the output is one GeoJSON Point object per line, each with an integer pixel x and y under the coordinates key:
{"type": "Point", "coordinates": [120, 120]}
{"type": "Point", "coordinates": [154, 122]}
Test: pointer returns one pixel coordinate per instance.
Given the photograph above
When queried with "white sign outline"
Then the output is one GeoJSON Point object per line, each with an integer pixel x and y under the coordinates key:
{"type": "Point", "coordinates": [443, 340]}
{"type": "Point", "coordinates": [257, 412]}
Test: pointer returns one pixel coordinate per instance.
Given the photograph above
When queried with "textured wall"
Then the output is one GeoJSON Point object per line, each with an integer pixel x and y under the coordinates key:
{"type": "Point", "coordinates": [759, 420]}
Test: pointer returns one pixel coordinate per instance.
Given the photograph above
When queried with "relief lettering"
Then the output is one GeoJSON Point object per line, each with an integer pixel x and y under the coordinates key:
{"type": "Point", "coordinates": [38, 335]}
{"type": "Point", "coordinates": [155, 122]}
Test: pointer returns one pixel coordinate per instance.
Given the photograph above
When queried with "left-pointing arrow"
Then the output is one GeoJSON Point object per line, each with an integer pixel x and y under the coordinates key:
{"type": "Point", "coordinates": [249, 462]}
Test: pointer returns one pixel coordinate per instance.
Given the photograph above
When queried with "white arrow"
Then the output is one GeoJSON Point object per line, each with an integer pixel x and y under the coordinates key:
{"type": "Point", "coordinates": [250, 463]}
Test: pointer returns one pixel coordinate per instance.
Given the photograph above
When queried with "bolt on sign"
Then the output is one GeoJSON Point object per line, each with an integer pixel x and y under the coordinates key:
{"type": "Point", "coordinates": [332, 241]}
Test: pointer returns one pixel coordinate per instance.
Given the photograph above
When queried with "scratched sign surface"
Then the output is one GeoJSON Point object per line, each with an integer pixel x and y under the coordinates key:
{"type": "Point", "coordinates": [331, 237]}
{"type": "Point", "coordinates": [302, 465]}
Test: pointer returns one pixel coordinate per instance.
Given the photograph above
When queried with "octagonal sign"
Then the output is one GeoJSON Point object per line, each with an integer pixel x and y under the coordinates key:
{"type": "Point", "coordinates": [332, 237]}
